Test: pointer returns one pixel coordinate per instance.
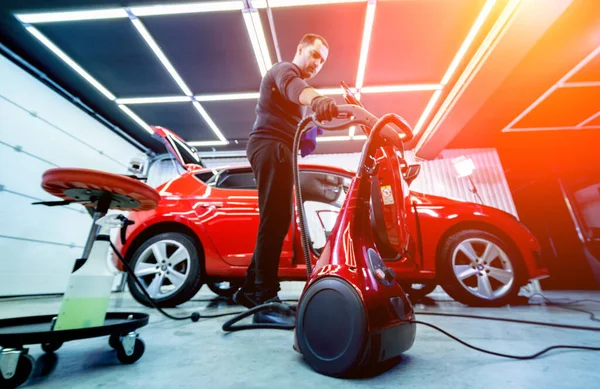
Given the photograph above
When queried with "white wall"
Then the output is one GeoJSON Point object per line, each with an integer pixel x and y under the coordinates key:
{"type": "Point", "coordinates": [39, 130]}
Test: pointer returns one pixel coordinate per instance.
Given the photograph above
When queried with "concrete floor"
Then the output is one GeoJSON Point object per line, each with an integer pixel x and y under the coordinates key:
{"type": "Point", "coordinates": [201, 355]}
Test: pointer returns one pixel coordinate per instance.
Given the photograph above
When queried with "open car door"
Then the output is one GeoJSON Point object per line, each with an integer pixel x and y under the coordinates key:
{"type": "Point", "coordinates": [184, 154]}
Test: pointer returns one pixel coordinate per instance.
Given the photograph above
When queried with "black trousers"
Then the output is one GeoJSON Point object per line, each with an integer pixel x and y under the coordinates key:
{"type": "Point", "coordinates": [271, 163]}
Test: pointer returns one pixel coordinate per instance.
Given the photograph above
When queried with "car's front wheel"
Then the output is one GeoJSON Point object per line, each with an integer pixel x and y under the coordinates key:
{"type": "Point", "coordinates": [168, 266]}
{"type": "Point", "coordinates": [478, 268]}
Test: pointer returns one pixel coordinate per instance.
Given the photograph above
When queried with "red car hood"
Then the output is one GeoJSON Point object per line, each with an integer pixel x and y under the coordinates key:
{"type": "Point", "coordinates": [427, 199]}
{"type": "Point", "coordinates": [424, 200]}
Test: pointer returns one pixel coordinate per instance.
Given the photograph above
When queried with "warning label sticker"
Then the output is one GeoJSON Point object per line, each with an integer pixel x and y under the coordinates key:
{"type": "Point", "coordinates": [387, 195]}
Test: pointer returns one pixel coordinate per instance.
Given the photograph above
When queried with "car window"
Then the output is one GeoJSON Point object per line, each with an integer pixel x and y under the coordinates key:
{"type": "Point", "coordinates": [205, 176]}
{"type": "Point", "coordinates": [237, 180]}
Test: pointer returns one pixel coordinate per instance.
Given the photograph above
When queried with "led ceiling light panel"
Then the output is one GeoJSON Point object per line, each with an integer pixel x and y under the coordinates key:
{"type": "Point", "coordinates": [161, 56]}
{"type": "Point", "coordinates": [48, 17]}
{"type": "Point", "coordinates": [153, 100]}
{"type": "Point", "coordinates": [559, 84]}
{"type": "Point", "coordinates": [483, 14]}
{"type": "Point", "coordinates": [401, 88]}
{"type": "Point", "coordinates": [366, 40]}
{"type": "Point", "coordinates": [42, 38]}
{"type": "Point", "coordinates": [208, 143]}
{"type": "Point", "coordinates": [173, 9]}
{"type": "Point", "coordinates": [427, 111]}
{"type": "Point", "coordinates": [340, 138]}
{"type": "Point", "coordinates": [531, 129]}
{"type": "Point", "coordinates": [295, 3]}
{"type": "Point", "coordinates": [331, 91]}
{"type": "Point", "coordinates": [209, 121]}
{"type": "Point", "coordinates": [262, 40]}
{"type": "Point", "coordinates": [581, 84]}
{"type": "Point", "coordinates": [475, 64]}
{"type": "Point", "coordinates": [352, 129]}
{"type": "Point", "coordinates": [258, 40]}
{"type": "Point", "coordinates": [586, 121]}
{"type": "Point", "coordinates": [167, 64]}
{"type": "Point", "coordinates": [228, 96]}
{"type": "Point", "coordinates": [137, 119]}
{"type": "Point", "coordinates": [487, 8]}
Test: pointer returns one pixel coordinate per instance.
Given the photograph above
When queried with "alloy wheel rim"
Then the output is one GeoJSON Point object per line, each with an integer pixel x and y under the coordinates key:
{"type": "Point", "coordinates": [163, 268]}
{"type": "Point", "coordinates": [483, 268]}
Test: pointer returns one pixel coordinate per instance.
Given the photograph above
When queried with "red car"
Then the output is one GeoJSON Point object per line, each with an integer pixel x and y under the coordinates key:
{"type": "Point", "coordinates": [205, 226]}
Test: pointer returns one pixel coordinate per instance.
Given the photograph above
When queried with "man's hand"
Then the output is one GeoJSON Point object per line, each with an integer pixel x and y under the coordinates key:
{"type": "Point", "coordinates": [324, 108]}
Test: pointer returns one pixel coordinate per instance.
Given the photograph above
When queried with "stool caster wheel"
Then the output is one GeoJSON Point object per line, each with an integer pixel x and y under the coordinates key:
{"type": "Point", "coordinates": [51, 347]}
{"type": "Point", "coordinates": [114, 341]}
{"type": "Point", "coordinates": [12, 374]}
{"type": "Point", "coordinates": [130, 349]}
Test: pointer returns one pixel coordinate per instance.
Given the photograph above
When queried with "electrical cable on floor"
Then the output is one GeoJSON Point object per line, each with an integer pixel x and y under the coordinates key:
{"type": "Point", "coordinates": [195, 316]}
{"type": "Point", "coordinates": [520, 357]}
{"type": "Point", "coordinates": [493, 318]}
{"type": "Point", "coordinates": [283, 308]}
{"type": "Point", "coordinates": [563, 305]}
{"type": "Point", "coordinates": [230, 327]}
{"type": "Point", "coordinates": [567, 326]}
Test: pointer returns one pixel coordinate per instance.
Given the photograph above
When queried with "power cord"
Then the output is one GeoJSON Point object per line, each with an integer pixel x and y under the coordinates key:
{"type": "Point", "coordinates": [563, 305]}
{"type": "Point", "coordinates": [535, 323]}
{"type": "Point", "coordinates": [195, 316]}
{"type": "Point", "coordinates": [280, 307]}
{"type": "Point", "coordinates": [520, 357]}
{"type": "Point", "coordinates": [230, 327]}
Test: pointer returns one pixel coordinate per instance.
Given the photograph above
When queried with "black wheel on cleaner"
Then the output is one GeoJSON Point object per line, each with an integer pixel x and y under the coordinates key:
{"type": "Point", "coordinates": [478, 268]}
{"type": "Point", "coordinates": [138, 351]}
{"type": "Point", "coordinates": [331, 346]}
{"type": "Point", "coordinates": [224, 288]}
{"type": "Point", "coordinates": [24, 368]}
{"type": "Point", "coordinates": [418, 290]}
{"type": "Point", "coordinates": [169, 267]}
{"type": "Point", "coordinates": [114, 341]}
{"type": "Point", "coordinates": [51, 347]}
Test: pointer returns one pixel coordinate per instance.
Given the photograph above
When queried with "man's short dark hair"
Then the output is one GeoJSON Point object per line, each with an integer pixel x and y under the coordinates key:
{"type": "Point", "coordinates": [309, 39]}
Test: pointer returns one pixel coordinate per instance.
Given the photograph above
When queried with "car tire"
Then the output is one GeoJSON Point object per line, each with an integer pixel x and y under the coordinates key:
{"type": "Point", "coordinates": [224, 288]}
{"type": "Point", "coordinates": [478, 268]}
{"type": "Point", "coordinates": [169, 267]}
{"type": "Point", "coordinates": [418, 290]}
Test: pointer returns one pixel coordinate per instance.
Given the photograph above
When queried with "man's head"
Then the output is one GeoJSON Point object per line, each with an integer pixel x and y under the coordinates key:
{"type": "Point", "coordinates": [311, 54]}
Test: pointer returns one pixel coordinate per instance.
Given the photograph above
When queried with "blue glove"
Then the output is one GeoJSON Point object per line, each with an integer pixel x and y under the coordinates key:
{"type": "Point", "coordinates": [308, 142]}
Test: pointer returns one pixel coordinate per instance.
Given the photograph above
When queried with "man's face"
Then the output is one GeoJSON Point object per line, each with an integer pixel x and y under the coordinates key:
{"type": "Point", "coordinates": [311, 58]}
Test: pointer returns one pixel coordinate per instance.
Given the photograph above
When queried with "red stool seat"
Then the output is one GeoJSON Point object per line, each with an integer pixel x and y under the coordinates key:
{"type": "Point", "coordinates": [87, 186]}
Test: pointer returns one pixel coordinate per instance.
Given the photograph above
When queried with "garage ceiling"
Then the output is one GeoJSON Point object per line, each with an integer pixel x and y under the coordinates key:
{"type": "Point", "coordinates": [195, 67]}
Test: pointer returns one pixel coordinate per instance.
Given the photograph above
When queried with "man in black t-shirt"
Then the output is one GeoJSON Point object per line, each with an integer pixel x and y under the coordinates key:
{"type": "Point", "coordinates": [284, 94]}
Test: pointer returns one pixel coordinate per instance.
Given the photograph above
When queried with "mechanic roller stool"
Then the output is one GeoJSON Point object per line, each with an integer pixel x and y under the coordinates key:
{"type": "Point", "coordinates": [83, 312]}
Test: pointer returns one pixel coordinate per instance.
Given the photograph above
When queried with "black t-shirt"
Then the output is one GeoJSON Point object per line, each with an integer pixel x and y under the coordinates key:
{"type": "Point", "coordinates": [278, 111]}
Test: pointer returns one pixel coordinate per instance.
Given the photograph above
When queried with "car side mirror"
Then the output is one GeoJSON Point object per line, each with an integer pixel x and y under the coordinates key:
{"type": "Point", "coordinates": [411, 173]}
